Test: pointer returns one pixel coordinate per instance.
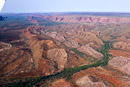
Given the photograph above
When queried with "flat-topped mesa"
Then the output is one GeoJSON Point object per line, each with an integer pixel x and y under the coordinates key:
{"type": "Point", "coordinates": [5, 46]}
{"type": "Point", "coordinates": [92, 19]}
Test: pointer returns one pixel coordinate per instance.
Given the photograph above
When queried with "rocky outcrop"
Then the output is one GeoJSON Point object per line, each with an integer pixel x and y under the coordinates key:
{"type": "Point", "coordinates": [91, 38]}
{"type": "Point", "coordinates": [5, 46]}
{"type": "Point", "coordinates": [90, 51]}
{"type": "Point", "coordinates": [55, 35]}
{"type": "Point", "coordinates": [122, 45]}
{"type": "Point", "coordinates": [87, 81]}
{"type": "Point", "coordinates": [71, 43]}
{"type": "Point", "coordinates": [120, 63]}
{"type": "Point", "coordinates": [36, 29]}
{"type": "Point", "coordinates": [61, 83]}
{"type": "Point", "coordinates": [59, 56]}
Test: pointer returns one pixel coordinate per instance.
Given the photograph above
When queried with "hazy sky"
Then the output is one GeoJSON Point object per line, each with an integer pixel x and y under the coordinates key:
{"type": "Point", "coordinates": [20, 6]}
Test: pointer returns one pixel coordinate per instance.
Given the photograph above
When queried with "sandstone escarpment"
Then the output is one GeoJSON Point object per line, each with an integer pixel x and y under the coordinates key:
{"type": "Point", "coordinates": [57, 36]}
{"type": "Point", "coordinates": [90, 37]}
{"type": "Point", "coordinates": [90, 51]}
{"type": "Point", "coordinates": [83, 19]}
{"type": "Point", "coordinates": [71, 43]}
{"type": "Point", "coordinates": [120, 63]}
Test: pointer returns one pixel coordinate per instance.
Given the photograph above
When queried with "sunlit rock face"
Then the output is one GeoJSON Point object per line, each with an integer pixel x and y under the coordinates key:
{"type": "Point", "coordinates": [59, 56]}
{"type": "Point", "coordinates": [61, 83]}
{"type": "Point", "coordinates": [122, 45]}
{"type": "Point", "coordinates": [90, 51]}
{"type": "Point", "coordinates": [86, 81]}
{"type": "Point", "coordinates": [5, 46]}
{"type": "Point", "coordinates": [120, 63]}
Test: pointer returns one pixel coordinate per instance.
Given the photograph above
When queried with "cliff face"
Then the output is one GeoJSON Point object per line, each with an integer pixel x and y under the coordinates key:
{"type": "Point", "coordinates": [83, 19]}
{"type": "Point", "coordinates": [59, 56]}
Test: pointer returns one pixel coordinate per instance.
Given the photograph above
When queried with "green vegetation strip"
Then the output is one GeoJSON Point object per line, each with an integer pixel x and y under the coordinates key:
{"type": "Point", "coordinates": [66, 73]}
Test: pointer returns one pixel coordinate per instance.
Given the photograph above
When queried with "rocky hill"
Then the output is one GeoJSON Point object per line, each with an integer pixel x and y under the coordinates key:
{"type": "Point", "coordinates": [120, 63]}
{"type": "Point", "coordinates": [5, 46]}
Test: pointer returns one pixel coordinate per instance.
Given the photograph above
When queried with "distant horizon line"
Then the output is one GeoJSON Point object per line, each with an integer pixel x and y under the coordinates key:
{"type": "Point", "coordinates": [62, 12]}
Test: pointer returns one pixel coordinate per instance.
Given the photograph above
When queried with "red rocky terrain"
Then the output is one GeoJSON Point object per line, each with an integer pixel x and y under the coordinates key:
{"type": "Point", "coordinates": [77, 51]}
{"type": "Point", "coordinates": [88, 19]}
